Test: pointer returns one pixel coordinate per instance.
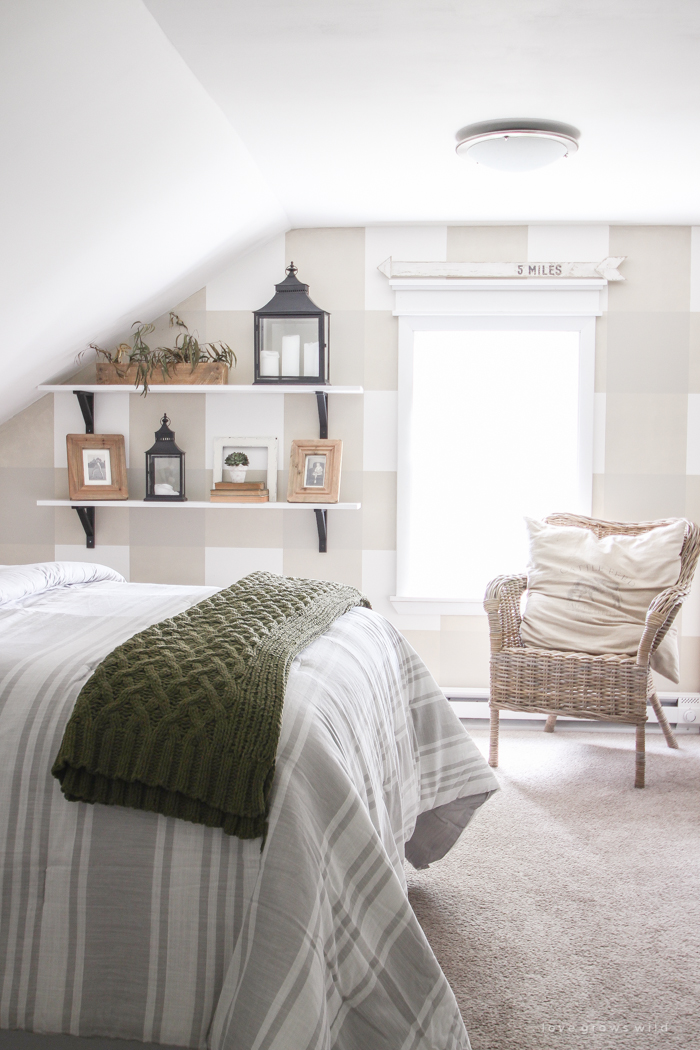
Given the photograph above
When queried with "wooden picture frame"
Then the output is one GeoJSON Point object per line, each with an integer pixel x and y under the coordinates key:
{"type": "Point", "coordinates": [314, 471]}
{"type": "Point", "coordinates": [96, 466]}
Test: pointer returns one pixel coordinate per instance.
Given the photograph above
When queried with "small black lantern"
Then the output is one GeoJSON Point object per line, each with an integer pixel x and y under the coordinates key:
{"type": "Point", "coordinates": [165, 468]}
{"type": "Point", "coordinates": [291, 336]}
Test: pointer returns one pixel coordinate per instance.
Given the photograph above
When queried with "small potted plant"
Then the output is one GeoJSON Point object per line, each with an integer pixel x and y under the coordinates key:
{"type": "Point", "coordinates": [236, 464]}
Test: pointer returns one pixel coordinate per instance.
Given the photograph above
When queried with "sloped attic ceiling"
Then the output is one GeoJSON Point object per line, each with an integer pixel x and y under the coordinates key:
{"type": "Point", "coordinates": [123, 184]}
{"type": "Point", "coordinates": [350, 107]}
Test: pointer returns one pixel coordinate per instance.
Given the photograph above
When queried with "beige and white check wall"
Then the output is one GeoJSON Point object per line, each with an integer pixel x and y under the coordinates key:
{"type": "Point", "coordinates": [647, 447]}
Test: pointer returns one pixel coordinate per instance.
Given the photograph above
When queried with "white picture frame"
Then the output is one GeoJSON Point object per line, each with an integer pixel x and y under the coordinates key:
{"type": "Point", "coordinates": [269, 443]}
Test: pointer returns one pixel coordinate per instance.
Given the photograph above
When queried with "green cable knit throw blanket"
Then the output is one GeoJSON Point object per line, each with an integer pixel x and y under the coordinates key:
{"type": "Point", "coordinates": [184, 718]}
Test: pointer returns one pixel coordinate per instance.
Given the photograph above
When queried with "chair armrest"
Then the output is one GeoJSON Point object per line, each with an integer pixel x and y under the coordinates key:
{"type": "Point", "coordinates": [664, 607]}
{"type": "Point", "coordinates": [661, 613]}
{"type": "Point", "coordinates": [502, 606]}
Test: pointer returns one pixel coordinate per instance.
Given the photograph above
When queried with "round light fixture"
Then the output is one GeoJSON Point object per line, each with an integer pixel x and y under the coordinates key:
{"type": "Point", "coordinates": [517, 144]}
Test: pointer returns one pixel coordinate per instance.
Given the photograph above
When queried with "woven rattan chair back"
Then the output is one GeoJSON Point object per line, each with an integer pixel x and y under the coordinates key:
{"type": "Point", "coordinates": [609, 688]}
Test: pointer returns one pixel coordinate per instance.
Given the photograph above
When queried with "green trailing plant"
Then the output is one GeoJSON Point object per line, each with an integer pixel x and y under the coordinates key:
{"type": "Point", "coordinates": [237, 459]}
{"type": "Point", "coordinates": [187, 350]}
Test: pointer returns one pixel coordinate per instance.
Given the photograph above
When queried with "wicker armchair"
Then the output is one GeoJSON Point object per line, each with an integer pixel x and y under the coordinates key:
{"type": "Point", "coordinates": [610, 688]}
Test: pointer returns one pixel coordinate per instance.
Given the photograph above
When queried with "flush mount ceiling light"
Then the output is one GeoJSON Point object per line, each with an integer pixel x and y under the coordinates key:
{"type": "Point", "coordinates": [517, 144]}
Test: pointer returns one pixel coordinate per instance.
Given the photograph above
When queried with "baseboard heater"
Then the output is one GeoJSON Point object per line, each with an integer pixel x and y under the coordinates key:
{"type": "Point", "coordinates": [681, 709]}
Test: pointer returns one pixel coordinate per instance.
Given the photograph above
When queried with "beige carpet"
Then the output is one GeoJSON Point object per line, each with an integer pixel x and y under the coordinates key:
{"type": "Point", "coordinates": [568, 914]}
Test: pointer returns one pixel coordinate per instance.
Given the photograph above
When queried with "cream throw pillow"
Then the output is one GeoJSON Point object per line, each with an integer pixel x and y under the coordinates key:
{"type": "Point", "coordinates": [591, 595]}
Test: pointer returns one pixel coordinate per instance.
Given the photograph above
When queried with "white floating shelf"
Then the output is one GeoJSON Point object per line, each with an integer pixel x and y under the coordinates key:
{"type": "Point", "coordinates": [176, 388]}
{"type": "Point", "coordinates": [86, 391]}
{"type": "Point", "coordinates": [193, 505]}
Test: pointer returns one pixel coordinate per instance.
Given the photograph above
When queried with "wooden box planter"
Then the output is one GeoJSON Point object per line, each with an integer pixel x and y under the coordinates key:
{"type": "Point", "coordinates": [206, 373]}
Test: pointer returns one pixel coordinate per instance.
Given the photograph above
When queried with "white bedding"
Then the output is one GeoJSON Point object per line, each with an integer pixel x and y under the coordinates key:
{"type": "Point", "coordinates": [115, 922]}
{"type": "Point", "coordinates": [18, 582]}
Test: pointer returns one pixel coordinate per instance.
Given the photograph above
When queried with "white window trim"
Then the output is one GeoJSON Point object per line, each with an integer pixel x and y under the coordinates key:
{"type": "Point", "coordinates": [432, 304]}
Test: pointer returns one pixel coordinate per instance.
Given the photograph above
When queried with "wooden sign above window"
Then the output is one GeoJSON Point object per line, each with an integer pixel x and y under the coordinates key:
{"type": "Point", "coordinates": [605, 270]}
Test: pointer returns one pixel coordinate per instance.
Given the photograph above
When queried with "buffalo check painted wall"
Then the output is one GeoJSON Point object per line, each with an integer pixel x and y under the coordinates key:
{"type": "Point", "coordinates": [647, 422]}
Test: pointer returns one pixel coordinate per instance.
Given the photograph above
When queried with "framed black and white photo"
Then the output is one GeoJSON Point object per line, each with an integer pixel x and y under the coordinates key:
{"type": "Point", "coordinates": [96, 466]}
{"type": "Point", "coordinates": [314, 471]}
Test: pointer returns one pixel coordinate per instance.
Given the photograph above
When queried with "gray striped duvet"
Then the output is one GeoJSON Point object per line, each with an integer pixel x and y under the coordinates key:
{"type": "Point", "coordinates": [120, 923]}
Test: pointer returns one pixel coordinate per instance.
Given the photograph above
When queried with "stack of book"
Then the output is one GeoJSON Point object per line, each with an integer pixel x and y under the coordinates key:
{"type": "Point", "coordinates": [240, 492]}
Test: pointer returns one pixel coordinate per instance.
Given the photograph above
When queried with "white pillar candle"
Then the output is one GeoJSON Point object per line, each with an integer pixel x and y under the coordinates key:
{"type": "Point", "coordinates": [269, 363]}
{"type": "Point", "coordinates": [310, 359]}
{"type": "Point", "coordinates": [290, 355]}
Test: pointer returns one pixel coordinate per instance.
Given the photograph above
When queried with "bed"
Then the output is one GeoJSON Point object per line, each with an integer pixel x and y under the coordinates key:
{"type": "Point", "coordinates": [128, 924]}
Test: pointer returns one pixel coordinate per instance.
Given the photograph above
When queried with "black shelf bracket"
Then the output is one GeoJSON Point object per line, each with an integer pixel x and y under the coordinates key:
{"type": "Point", "coordinates": [322, 515]}
{"type": "Point", "coordinates": [322, 402]}
{"type": "Point", "coordinates": [87, 520]}
{"type": "Point", "coordinates": [86, 401]}
{"type": "Point", "coordinates": [322, 526]}
{"type": "Point", "coordinates": [87, 407]}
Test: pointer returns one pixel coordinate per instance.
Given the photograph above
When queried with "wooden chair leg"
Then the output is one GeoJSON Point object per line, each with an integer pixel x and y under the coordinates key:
{"type": "Point", "coordinates": [663, 721]}
{"type": "Point", "coordinates": [639, 757]}
{"type": "Point", "coordinates": [493, 738]}
{"type": "Point", "coordinates": [550, 723]}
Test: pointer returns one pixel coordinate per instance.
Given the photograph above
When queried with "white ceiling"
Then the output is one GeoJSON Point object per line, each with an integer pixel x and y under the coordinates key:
{"type": "Point", "coordinates": [350, 107]}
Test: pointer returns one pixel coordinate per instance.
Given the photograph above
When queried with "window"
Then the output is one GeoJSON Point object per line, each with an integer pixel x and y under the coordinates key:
{"type": "Point", "coordinates": [495, 422]}
{"type": "Point", "coordinates": [493, 434]}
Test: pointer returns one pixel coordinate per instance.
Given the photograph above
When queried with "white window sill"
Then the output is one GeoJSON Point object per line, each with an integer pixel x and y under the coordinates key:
{"type": "Point", "coordinates": [437, 606]}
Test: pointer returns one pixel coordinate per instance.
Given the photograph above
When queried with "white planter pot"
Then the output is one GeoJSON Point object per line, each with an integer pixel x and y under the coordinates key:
{"type": "Point", "coordinates": [235, 473]}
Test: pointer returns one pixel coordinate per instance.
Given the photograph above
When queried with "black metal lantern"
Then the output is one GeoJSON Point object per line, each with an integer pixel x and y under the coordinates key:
{"type": "Point", "coordinates": [291, 336]}
{"type": "Point", "coordinates": [165, 468]}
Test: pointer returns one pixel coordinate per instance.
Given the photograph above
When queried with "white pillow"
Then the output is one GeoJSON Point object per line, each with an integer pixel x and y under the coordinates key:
{"type": "Point", "coordinates": [591, 595]}
{"type": "Point", "coordinates": [20, 581]}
